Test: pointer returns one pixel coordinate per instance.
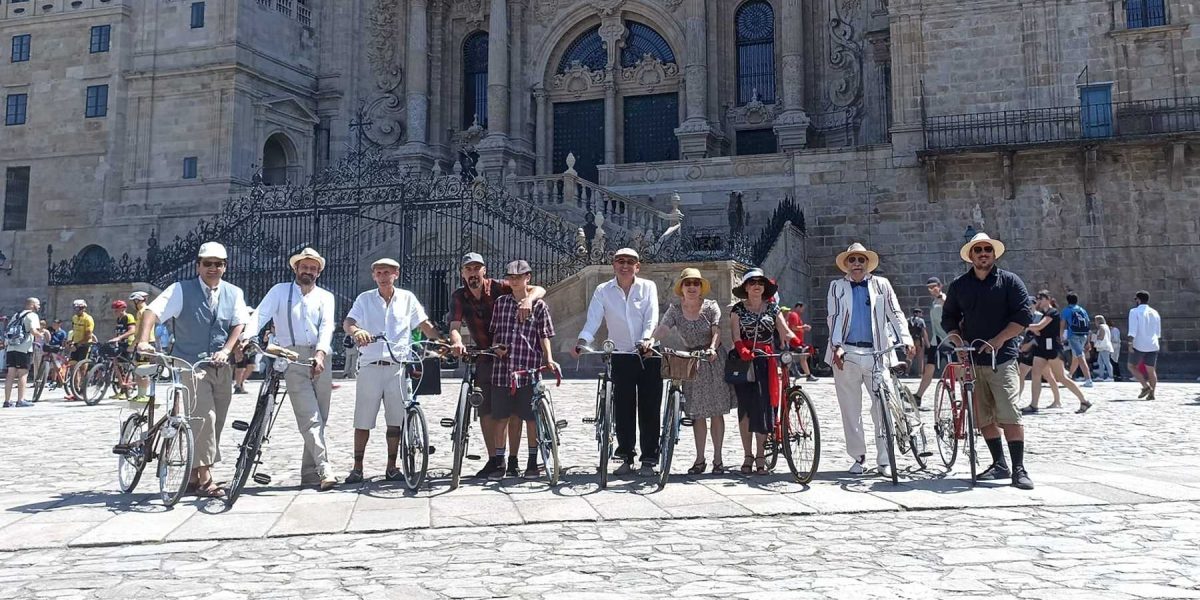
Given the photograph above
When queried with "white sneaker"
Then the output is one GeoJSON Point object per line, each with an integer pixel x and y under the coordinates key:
{"type": "Point", "coordinates": [857, 467]}
{"type": "Point", "coordinates": [1087, 383]}
{"type": "Point", "coordinates": [884, 470]}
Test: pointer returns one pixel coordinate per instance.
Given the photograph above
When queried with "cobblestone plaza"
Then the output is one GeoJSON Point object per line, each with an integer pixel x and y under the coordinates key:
{"type": "Point", "coordinates": [1114, 515]}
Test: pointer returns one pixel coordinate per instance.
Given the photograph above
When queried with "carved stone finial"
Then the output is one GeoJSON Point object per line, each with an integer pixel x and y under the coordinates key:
{"type": "Point", "coordinates": [580, 242]}
{"type": "Point", "coordinates": [456, 168]}
{"type": "Point", "coordinates": [570, 164]}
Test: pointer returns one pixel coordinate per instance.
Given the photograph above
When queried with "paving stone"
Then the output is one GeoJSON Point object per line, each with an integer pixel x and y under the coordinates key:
{"type": "Point", "coordinates": [224, 526]}
{"type": "Point", "coordinates": [313, 517]}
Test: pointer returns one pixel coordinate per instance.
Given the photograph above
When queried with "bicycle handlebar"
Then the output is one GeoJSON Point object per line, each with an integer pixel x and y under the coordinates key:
{"type": "Point", "coordinates": [976, 345]}
{"type": "Point", "coordinates": [281, 353]}
{"type": "Point", "coordinates": [512, 386]}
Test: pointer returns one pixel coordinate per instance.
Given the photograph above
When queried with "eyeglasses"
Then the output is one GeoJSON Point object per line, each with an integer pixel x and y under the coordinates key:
{"type": "Point", "coordinates": [692, 283]}
{"type": "Point", "coordinates": [856, 259]}
{"type": "Point", "coordinates": [625, 261]}
{"type": "Point", "coordinates": [982, 250]}
{"type": "Point", "coordinates": [211, 264]}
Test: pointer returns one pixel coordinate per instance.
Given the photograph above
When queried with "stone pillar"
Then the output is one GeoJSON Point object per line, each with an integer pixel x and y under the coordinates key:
{"type": "Point", "coordinates": [791, 126]}
{"type": "Point", "coordinates": [696, 139]}
{"type": "Point", "coordinates": [416, 72]}
{"type": "Point", "coordinates": [610, 118]}
{"type": "Point", "coordinates": [498, 72]}
{"type": "Point", "coordinates": [541, 135]}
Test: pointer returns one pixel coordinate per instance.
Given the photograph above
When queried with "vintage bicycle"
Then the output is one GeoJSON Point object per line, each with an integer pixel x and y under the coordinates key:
{"type": "Point", "coordinates": [797, 433]}
{"type": "Point", "coordinates": [545, 425]}
{"type": "Point", "coordinates": [903, 429]}
{"type": "Point", "coordinates": [954, 413]}
{"type": "Point", "coordinates": [678, 366]}
{"type": "Point", "coordinates": [603, 420]}
{"type": "Point", "coordinates": [470, 397]}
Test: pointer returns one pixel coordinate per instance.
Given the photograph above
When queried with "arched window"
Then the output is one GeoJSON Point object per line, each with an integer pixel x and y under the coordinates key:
{"type": "Point", "coordinates": [588, 49]}
{"type": "Point", "coordinates": [475, 82]}
{"type": "Point", "coordinates": [643, 40]}
{"type": "Point", "coordinates": [755, 52]}
{"type": "Point", "coordinates": [276, 161]}
{"type": "Point", "coordinates": [94, 261]}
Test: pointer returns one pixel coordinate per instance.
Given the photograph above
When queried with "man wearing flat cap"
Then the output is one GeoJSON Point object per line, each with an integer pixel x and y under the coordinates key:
{"type": "Point", "coordinates": [303, 314]}
{"type": "Point", "coordinates": [209, 314]}
{"type": "Point", "coordinates": [990, 304]}
{"type": "Point", "coordinates": [864, 317]}
{"type": "Point", "coordinates": [473, 305]}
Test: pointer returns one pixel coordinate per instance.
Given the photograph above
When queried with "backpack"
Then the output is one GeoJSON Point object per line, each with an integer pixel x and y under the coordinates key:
{"type": "Point", "coordinates": [915, 326]}
{"type": "Point", "coordinates": [17, 334]}
{"type": "Point", "coordinates": [1080, 323]}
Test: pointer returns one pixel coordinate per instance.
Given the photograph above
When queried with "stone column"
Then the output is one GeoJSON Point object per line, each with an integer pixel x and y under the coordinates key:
{"type": "Point", "coordinates": [540, 136]}
{"type": "Point", "coordinates": [791, 126]}
{"type": "Point", "coordinates": [498, 71]}
{"type": "Point", "coordinates": [416, 72]}
{"type": "Point", "coordinates": [610, 118]}
{"type": "Point", "coordinates": [696, 139]}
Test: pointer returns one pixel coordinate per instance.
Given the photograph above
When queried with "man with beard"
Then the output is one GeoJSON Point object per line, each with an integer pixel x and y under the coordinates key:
{"type": "Point", "coordinates": [303, 314]}
{"type": "Point", "coordinates": [472, 304]}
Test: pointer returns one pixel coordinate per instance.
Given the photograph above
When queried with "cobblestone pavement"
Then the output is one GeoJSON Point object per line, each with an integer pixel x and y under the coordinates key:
{"type": "Point", "coordinates": [1114, 515]}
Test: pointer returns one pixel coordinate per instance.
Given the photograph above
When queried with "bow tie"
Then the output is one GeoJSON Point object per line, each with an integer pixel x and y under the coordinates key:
{"type": "Point", "coordinates": [862, 284]}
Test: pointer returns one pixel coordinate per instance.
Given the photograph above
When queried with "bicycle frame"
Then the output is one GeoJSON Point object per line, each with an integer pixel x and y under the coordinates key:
{"type": "Point", "coordinates": [605, 424]}
{"type": "Point", "coordinates": [547, 432]}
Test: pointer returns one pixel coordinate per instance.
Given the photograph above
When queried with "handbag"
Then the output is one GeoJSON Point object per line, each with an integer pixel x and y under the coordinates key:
{"type": "Point", "coordinates": [738, 370]}
{"type": "Point", "coordinates": [682, 368]}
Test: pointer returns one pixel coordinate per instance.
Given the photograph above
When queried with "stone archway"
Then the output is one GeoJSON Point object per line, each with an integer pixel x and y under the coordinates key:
{"type": "Point", "coordinates": [280, 163]}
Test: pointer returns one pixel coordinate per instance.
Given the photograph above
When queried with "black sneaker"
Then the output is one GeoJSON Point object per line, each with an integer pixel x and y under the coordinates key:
{"type": "Point", "coordinates": [513, 470]}
{"type": "Point", "coordinates": [490, 467]}
{"type": "Point", "coordinates": [531, 469]}
{"type": "Point", "coordinates": [994, 472]}
{"type": "Point", "coordinates": [1021, 480]}
{"type": "Point", "coordinates": [811, 378]}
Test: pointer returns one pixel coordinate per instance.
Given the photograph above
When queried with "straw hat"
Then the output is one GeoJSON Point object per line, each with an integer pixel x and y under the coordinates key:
{"type": "Point", "coordinates": [981, 238]}
{"type": "Point", "coordinates": [768, 290]}
{"type": "Point", "coordinates": [692, 273]}
{"type": "Point", "coordinates": [857, 248]}
{"type": "Point", "coordinates": [307, 254]}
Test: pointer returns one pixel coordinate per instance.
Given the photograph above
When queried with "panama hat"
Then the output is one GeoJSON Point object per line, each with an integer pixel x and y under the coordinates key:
{"type": "Point", "coordinates": [692, 273]}
{"type": "Point", "coordinates": [857, 248]}
{"type": "Point", "coordinates": [307, 254]}
{"type": "Point", "coordinates": [981, 238]}
{"type": "Point", "coordinates": [768, 290]}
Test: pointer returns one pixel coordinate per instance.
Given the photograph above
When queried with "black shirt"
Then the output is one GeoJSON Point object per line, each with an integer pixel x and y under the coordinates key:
{"type": "Point", "coordinates": [981, 309]}
{"type": "Point", "coordinates": [1049, 340]}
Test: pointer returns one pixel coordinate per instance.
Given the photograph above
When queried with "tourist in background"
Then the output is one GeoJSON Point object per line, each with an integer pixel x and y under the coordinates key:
{"type": "Point", "coordinates": [1145, 331]}
{"type": "Point", "coordinates": [1077, 326]}
{"type": "Point", "coordinates": [1047, 356]}
{"type": "Point", "coordinates": [1102, 342]}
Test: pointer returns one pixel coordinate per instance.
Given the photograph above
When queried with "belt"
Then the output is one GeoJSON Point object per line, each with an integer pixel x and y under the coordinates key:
{"type": "Point", "coordinates": [861, 344]}
{"type": "Point", "coordinates": [382, 363]}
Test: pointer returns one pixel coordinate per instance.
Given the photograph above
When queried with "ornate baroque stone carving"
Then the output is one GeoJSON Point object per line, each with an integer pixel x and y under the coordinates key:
{"type": "Point", "coordinates": [650, 74]}
{"type": "Point", "coordinates": [845, 55]}
{"type": "Point", "coordinates": [753, 113]}
{"type": "Point", "coordinates": [607, 7]}
{"type": "Point", "coordinates": [577, 80]}
{"type": "Point", "coordinates": [381, 49]}
{"type": "Point", "coordinates": [671, 4]}
{"type": "Point", "coordinates": [543, 10]}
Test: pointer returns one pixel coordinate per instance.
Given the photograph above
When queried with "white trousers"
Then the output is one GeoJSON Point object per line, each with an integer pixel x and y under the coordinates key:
{"type": "Point", "coordinates": [849, 382]}
{"type": "Point", "coordinates": [310, 403]}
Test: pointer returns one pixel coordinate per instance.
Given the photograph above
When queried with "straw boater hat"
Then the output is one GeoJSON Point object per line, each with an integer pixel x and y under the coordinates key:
{"type": "Point", "coordinates": [692, 273]}
{"type": "Point", "coordinates": [309, 254]}
{"type": "Point", "coordinates": [857, 248]}
{"type": "Point", "coordinates": [768, 290]}
{"type": "Point", "coordinates": [981, 238]}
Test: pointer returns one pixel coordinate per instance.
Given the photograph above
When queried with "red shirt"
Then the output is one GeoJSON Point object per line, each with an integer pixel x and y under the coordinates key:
{"type": "Point", "coordinates": [476, 313]}
{"type": "Point", "coordinates": [796, 324]}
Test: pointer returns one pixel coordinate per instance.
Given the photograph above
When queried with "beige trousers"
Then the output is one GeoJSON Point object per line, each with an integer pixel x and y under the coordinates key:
{"type": "Point", "coordinates": [849, 382]}
{"type": "Point", "coordinates": [310, 403]}
{"type": "Point", "coordinates": [213, 393]}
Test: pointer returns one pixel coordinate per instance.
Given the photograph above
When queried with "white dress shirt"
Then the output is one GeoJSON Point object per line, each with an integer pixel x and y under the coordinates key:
{"type": "Point", "coordinates": [312, 316]}
{"type": "Point", "coordinates": [395, 320]}
{"type": "Point", "coordinates": [169, 303]}
{"type": "Point", "coordinates": [630, 318]}
{"type": "Point", "coordinates": [1145, 327]}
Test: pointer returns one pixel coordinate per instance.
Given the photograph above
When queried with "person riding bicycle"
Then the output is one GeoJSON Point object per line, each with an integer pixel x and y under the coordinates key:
{"type": "Point", "coordinates": [209, 314]}
{"type": "Point", "coordinates": [992, 304]}
{"type": "Point", "coordinates": [82, 329]}
{"type": "Point", "coordinates": [473, 305]}
{"type": "Point", "coordinates": [864, 317]}
{"type": "Point", "coordinates": [628, 305]}
{"type": "Point", "coordinates": [303, 313]}
{"type": "Point", "coordinates": [123, 332]}
{"type": "Point", "coordinates": [394, 313]}
{"type": "Point", "coordinates": [527, 347]}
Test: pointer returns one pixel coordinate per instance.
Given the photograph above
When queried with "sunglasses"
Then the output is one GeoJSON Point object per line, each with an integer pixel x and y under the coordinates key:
{"type": "Point", "coordinates": [759, 282]}
{"type": "Point", "coordinates": [856, 259]}
{"type": "Point", "coordinates": [692, 283]}
{"type": "Point", "coordinates": [211, 264]}
{"type": "Point", "coordinates": [982, 250]}
{"type": "Point", "coordinates": [625, 261]}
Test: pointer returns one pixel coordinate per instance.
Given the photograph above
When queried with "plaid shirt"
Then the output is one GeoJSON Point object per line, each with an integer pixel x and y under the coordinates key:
{"type": "Point", "coordinates": [477, 312]}
{"type": "Point", "coordinates": [523, 339]}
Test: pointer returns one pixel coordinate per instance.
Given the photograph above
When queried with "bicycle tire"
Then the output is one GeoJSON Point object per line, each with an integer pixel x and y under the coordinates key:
{"type": "Point", "coordinates": [914, 427]}
{"type": "Point", "coordinates": [130, 465]}
{"type": "Point", "coordinates": [604, 426]}
{"type": "Point", "coordinates": [122, 374]}
{"type": "Point", "coordinates": [248, 452]}
{"type": "Point", "coordinates": [414, 443]}
{"type": "Point", "coordinates": [73, 372]}
{"type": "Point", "coordinates": [668, 438]}
{"type": "Point", "coordinates": [801, 430]}
{"type": "Point", "coordinates": [973, 458]}
{"type": "Point", "coordinates": [460, 435]}
{"type": "Point", "coordinates": [95, 384]}
{"type": "Point", "coordinates": [175, 463]}
{"type": "Point", "coordinates": [39, 380]}
{"type": "Point", "coordinates": [889, 428]}
{"type": "Point", "coordinates": [547, 436]}
{"type": "Point", "coordinates": [944, 424]}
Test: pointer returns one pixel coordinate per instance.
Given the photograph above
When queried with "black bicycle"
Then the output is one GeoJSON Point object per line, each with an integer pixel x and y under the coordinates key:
{"type": "Point", "coordinates": [414, 435]}
{"type": "Point", "coordinates": [470, 397]}
{"type": "Point", "coordinates": [606, 428]}
{"type": "Point", "coordinates": [266, 410]}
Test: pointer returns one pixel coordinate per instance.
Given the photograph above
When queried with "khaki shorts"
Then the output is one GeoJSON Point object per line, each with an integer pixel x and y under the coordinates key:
{"type": "Point", "coordinates": [996, 394]}
{"type": "Point", "coordinates": [380, 384]}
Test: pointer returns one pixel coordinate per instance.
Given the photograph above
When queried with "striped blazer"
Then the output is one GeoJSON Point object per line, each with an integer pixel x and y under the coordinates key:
{"type": "Point", "coordinates": [888, 325]}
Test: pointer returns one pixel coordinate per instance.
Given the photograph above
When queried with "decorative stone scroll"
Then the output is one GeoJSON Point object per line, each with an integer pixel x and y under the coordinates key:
{"type": "Point", "coordinates": [651, 75]}
{"type": "Point", "coordinates": [577, 81]}
{"type": "Point", "coordinates": [753, 114]}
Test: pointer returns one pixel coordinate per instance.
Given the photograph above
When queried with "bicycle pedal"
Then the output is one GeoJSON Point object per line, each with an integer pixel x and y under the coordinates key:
{"type": "Point", "coordinates": [561, 423]}
{"type": "Point", "coordinates": [589, 420]}
{"type": "Point", "coordinates": [261, 478]}
{"type": "Point", "coordinates": [431, 450]}
{"type": "Point", "coordinates": [686, 422]}
{"type": "Point", "coordinates": [473, 457]}
{"type": "Point", "coordinates": [122, 449]}
{"type": "Point", "coordinates": [447, 422]}
{"type": "Point", "coordinates": [926, 453]}
{"type": "Point", "coordinates": [240, 425]}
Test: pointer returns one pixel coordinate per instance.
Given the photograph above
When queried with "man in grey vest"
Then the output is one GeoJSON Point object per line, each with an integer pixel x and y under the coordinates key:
{"type": "Point", "coordinates": [304, 323]}
{"type": "Point", "coordinates": [209, 317]}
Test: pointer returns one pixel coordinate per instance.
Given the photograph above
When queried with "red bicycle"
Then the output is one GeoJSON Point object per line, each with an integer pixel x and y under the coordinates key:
{"type": "Point", "coordinates": [797, 435]}
{"type": "Point", "coordinates": [954, 406]}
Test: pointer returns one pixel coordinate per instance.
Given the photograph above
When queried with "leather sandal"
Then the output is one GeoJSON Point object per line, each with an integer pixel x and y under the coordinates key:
{"type": "Point", "coordinates": [718, 467]}
{"type": "Point", "coordinates": [748, 465]}
{"type": "Point", "coordinates": [762, 466]}
{"type": "Point", "coordinates": [698, 467]}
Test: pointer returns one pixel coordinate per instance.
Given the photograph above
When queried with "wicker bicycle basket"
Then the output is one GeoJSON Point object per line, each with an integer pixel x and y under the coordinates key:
{"type": "Point", "coordinates": [680, 367]}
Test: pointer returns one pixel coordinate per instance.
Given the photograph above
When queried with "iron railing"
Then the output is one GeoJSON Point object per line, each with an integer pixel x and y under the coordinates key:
{"type": "Point", "coordinates": [1063, 124]}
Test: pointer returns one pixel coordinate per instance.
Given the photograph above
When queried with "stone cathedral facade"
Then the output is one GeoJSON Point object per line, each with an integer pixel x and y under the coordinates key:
{"type": "Point", "coordinates": [1068, 128]}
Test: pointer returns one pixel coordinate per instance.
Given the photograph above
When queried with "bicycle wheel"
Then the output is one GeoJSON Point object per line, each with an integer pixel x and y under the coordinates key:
{"type": "Point", "coordinates": [130, 464]}
{"type": "Point", "coordinates": [175, 460]}
{"type": "Point", "coordinates": [414, 445]}
{"type": "Point", "coordinates": [604, 428]}
{"type": "Point", "coordinates": [915, 442]}
{"type": "Point", "coordinates": [39, 380]}
{"type": "Point", "coordinates": [889, 428]}
{"type": "Point", "coordinates": [668, 437]}
{"type": "Point", "coordinates": [944, 423]}
{"type": "Point", "coordinates": [69, 387]}
{"type": "Point", "coordinates": [802, 436]}
{"type": "Point", "coordinates": [123, 381]}
{"type": "Point", "coordinates": [547, 436]}
{"type": "Point", "coordinates": [248, 453]}
{"type": "Point", "coordinates": [461, 434]}
{"type": "Point", "coordinates": [969, 406]}
{"type": "Point", "coordinates": [95, 384]}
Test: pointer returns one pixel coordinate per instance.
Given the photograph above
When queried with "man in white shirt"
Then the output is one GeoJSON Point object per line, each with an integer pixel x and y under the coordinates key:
{"type": "Point", "coordinates": [628, 305]}
{"type": "Point", "coordinates": [393, 313]}
{"type": "Point", "coordinates": [304, 319]}
{"type": "Point", "coordinates": [18, 351]}
{"type": "Point", "coordinates": [209, 317]}
{"type": "Point", "coordinates": [1145, 329]}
